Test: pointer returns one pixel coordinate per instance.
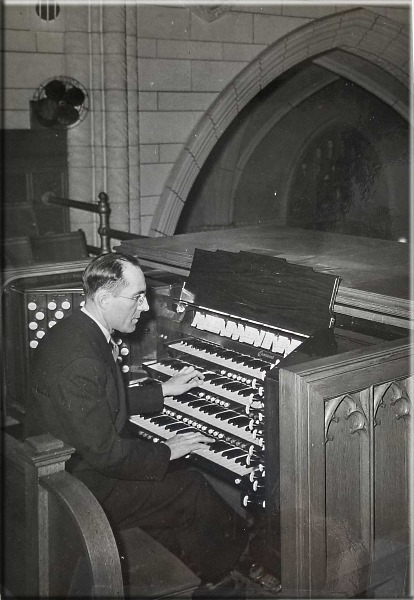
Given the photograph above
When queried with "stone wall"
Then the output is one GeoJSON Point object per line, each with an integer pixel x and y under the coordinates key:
{"type": "Point", "coordinates": [152, 73]}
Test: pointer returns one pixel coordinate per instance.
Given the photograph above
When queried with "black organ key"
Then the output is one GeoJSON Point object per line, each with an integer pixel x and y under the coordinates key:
{"type": "Point", "coordinates": [176, 427]}
{"type": "Point", "coordinates": [210, 376]}
{"type": "Point", "coordinates": [240, 421]}
{"type": "Point", "coordinates": [233, 386]}
{"type": "Point", "coordinates": [162, 420]}
{"type": "Point", "coordinates": [188, 430]}
{"type": "Point", "coordinates": [212, 409]}
{"type": "Point", "coordinates": [226, 415]}
{"type": "Point", "coordinates": [246, 392]}
{"type": "Point", "coordinates": [233, 453]}
{"type": "Point", "coordinates": [197, 403]}
{"type": "Point", "coordinates": [219, 446]}
{"type": "Point", "coordinates": [219, 380]}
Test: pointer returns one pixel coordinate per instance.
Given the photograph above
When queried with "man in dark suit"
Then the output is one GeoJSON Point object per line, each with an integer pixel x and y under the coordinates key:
{"type": "Point", "coordinates": [79, 397]}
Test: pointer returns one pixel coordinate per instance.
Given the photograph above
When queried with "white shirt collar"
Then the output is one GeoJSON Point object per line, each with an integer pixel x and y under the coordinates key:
{"type": "Point", "coordinates": [101, 327]}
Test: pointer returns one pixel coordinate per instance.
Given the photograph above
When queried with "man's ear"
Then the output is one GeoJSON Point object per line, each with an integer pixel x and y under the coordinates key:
{"type": "Point", "coordinates": [102, 298]}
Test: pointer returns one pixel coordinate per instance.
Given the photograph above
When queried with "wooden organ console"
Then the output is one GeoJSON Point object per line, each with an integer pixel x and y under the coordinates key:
{"type": "Point", "coordinates": [309, 418]}
{"type": "Point", "coordinates": [243, 320]}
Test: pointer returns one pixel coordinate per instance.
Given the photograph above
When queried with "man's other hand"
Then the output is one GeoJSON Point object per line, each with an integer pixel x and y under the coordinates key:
{"type": "Point", "coordinates": [182, 444]}
{"type": "Point", "coordinates": [185, 380]}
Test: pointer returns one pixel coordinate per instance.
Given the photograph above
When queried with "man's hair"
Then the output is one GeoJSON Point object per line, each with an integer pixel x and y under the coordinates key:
{"type": "Point", "coordinates": [107, 272]}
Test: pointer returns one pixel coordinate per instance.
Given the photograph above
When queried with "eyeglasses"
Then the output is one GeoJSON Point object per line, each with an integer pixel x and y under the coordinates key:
{"type": "Point", "coordinates": [139, 299]}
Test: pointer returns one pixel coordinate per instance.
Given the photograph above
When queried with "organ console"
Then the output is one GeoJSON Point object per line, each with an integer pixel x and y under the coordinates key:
{"type": "Point", "coordinates": [242, 317]}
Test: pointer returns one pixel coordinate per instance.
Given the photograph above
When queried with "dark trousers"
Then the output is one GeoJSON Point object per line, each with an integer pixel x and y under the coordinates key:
{"type": "Point", "coordinates": [185, 515]}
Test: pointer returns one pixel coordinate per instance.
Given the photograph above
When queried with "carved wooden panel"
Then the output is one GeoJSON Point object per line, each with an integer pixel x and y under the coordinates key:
{"type": "Point", "coordinates": [344, 449]}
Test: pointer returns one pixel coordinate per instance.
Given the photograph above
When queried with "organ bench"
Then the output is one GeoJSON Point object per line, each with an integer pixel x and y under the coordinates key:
{"type": "Point", "coordinates": [57, 541]}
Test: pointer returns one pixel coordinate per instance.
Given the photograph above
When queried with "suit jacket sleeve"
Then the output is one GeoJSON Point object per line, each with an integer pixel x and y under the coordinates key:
{"type": "Point", "coordinates": [86, 420]}
{"type": "Point", "coordinates": [145, 398]}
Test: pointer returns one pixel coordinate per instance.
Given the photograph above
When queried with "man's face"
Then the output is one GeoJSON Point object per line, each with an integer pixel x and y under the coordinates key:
{"type": "Point", "coordinates": [126, 306]}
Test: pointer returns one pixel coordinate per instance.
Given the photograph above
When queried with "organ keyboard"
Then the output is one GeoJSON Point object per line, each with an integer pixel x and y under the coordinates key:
{"type": "Point", "coordinates": [242, 317]}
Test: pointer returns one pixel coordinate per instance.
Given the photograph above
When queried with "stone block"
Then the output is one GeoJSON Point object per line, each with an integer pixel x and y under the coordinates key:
{"type": "Point", "coordinates": [267, 9]}
{"type": "Point", "coordinates": [25, 70]}
{"type": "Point", "coordinates": [115, 100]}
{"type": "Point", "coordinates": [117, 158]}
{"type": "Point", "coordinates": [147, 48]}
{"type": "Point", "coordinates": [185, 100]}
{"type": "Point", "coordinates": [15, 119]}
{"type": "Point", "coordinates": [231, 27]}
{"type": "Point", "coordinates": [19, 41]}
{"type": "Point", "coordinates": [114, 72]}
{"type": "Point", "coordinates": [188, 50]}
{"type": "Point", "coordinates": [242, 52]}
{"type": "Point", "coordinates": [154, 178]}
{"type": "Point", "coordinates": [163, 22]}
{"type": "Point", "coordinates": [165, 127]}
{"type": "Point", "coordinates": [148, 205]}
{"type": "Point", "coordinates": [80, 156]}
{"type": "Point", "coordinates": [16, 99]}
{"type": "Point", "coordinates": [114, 43]}
{"type": "Point", "coordinates": [116, 129]}
{"type": "Point", "coordinates": [147, 101]}
{"type": "Point", "coordinates": [114, 18]}
{"type": "Point", "coordinates": [149, 153]}
{"type": "Point", "coordinates": [131, 45]}
{"type": "Point", "coordinates": [146, 225]}
{"type": "Point", "coordinates": [164, 75]}
{"type": "Point", "coordinates": [135, 223]}
{"type": "Point", "coordinates": [78, 42]}
{"type": "Point", "coordinates": [398, 14]}
{"type": "Point", "coordinates": [269, 29]}
{"type": "Point", "coordinates": [77, 18]}
{"type": "Point", "coordinates": [211, 76]}
{"type": "Point", "coordinates": [80, 184]}
{"type": "Point", "coordinates": [170, 152]}
{"type": "Point", "coordinates": [309, 10]}
{"type": "Point", "coordinates": [50, 42]}
{"type": "Point", "coordinates": [16, 16]}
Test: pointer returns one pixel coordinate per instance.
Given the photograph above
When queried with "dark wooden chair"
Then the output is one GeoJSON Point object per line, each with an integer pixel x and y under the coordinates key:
{"type": "Point", "coordinates": [57, 541]}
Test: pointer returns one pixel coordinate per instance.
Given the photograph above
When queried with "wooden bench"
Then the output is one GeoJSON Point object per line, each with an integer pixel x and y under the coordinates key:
{"type": "Point", "coordinates": [57, 541]}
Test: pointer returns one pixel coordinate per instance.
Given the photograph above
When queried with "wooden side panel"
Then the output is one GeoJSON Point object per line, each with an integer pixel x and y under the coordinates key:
{"type": "Point", "coordinates": [344, 449]}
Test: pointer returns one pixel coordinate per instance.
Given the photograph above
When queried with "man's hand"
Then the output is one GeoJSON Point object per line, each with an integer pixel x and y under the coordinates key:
{"type": "Point", "coordinates": [182, 444]}
{"type": "Point", "coordinates": [185, 380]}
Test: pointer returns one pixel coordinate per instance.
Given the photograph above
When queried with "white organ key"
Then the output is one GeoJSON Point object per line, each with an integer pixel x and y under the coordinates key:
{"type": "Point", "coordinates": [186, 347]}
{"type": "Point", "coordinates": [250, 334]}
{"type": "Point", "coordinates": [240, 432]}
{"type": "Point", "coordinates": [205, 385]}
{"type": "Point", "coordinates": [213, 324]}
{"type": "Point", "coordinates": [259, 338]}
{"type": "Point", "coordinates": [216, 457]}
{"type": "Point", "coordinates": [230, 329]}
{"type": "Point", "coordinates": [281, 344]}
{"type": "Point", "coordinates": [267, 340]}
{"type": "Point", "coordinates": [238, 332]}
{"type": "Point", "coordinates": [294, 344]}
{"type": "Point", "coordinates": [199, 318]}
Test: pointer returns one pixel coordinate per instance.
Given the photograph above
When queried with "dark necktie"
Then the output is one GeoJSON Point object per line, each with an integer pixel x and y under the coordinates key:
{"type": "Point", "coordinates": [114, 348]}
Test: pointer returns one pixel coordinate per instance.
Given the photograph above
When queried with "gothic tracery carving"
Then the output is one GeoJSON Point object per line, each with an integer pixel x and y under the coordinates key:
{"type": "Point", "coordinates": [355, 414]}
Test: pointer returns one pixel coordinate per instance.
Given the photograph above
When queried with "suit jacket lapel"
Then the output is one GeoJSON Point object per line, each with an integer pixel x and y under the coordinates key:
{"type": "Point", "coordinates": [119, 403]}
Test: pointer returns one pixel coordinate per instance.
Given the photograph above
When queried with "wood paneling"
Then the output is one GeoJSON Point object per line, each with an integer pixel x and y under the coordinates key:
{"type": "Point", "coordinates": [343, 468]}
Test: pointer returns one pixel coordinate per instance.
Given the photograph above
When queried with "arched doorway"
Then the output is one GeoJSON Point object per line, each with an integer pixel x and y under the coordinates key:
{"type": "Point", "coordinates": [383, 76]}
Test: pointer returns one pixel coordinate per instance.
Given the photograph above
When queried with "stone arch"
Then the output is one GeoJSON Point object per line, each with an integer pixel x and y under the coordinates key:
{"type": "Point", "coordinates": [361, 33]}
